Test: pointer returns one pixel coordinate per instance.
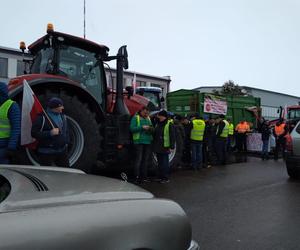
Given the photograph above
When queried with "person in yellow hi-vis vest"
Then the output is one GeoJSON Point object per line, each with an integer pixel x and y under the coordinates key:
{"type": "Point", "coordinates": [10, 126]}
{"type": "Point", "coordinates": [197, 133]}
{"type": "Point", "coordinates": [221, 139]}
{"type": "Point", "coordinates": [142, 129]}
{"type": "Point", "coordinates": [163, 143]}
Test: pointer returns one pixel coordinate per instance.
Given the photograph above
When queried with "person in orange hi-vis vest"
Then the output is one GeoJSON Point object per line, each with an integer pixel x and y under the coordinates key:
{"type": "Point", "coordinates": [279, 132]}
{"type": "Point", "coordinates": [241, 135]}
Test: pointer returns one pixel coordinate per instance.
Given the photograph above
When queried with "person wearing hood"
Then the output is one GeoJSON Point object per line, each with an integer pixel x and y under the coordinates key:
{"type": "Point", "coordinates": [50, 129]}
{"type": "Point", "coordinates": [10, 125]}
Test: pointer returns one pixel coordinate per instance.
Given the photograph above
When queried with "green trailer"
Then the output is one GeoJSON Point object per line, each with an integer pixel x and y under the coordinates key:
{"type": "Point", "coordinates": [186, 102]}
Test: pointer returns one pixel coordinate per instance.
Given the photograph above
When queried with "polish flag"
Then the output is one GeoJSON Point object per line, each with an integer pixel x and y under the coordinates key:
{"type": "Point", "coordinates": [31, 107]}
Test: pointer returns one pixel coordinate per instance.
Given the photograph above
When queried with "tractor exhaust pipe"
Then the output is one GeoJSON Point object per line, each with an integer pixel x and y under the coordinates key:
{"type": "Point", "coordinates": [122, 63]}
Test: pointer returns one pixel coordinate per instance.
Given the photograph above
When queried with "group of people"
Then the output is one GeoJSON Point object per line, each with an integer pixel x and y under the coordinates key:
{"type": "Point", "coordinates": [206, 141]}
{"type": "Point", "coordinates": [148, 138]}
{"type": "Point", "coordinates": [279, 131]}
{"type": "Point", "coordinates": [49, 129]}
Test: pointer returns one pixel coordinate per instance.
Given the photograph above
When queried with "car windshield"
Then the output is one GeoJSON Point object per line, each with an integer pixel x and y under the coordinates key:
{"type": "Point", "coordinates": [4, 188]}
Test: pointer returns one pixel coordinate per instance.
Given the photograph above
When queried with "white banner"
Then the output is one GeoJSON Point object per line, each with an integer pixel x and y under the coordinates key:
{"type": "Point", "coordinates": [215, 105]}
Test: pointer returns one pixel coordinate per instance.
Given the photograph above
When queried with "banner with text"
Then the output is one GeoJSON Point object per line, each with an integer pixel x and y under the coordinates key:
{"type": "Point", "coordinates": [215, 104]}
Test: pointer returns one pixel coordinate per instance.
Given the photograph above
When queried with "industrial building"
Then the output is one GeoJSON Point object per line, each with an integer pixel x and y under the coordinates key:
{"type": "Point", "coordinates": [12, 65]}
{"type": "Point", "coordinates": [270, 100]}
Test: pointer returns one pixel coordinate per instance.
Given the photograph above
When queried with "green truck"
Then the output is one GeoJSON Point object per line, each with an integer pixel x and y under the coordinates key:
{"type": "Point", "coordinates": [185, 102]}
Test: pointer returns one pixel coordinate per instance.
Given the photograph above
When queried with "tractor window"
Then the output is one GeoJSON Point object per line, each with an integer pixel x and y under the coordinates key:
{"type": "Point", "coordinates": [43, 61]}
{"type": "Point", "coordinates": [81, 66]}
{"type": "Point", "coordinates": [294, 114]}
{"type": "Point", "coordinates": [153, 97]}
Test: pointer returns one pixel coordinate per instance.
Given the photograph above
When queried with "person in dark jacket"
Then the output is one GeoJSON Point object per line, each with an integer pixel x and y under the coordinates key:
{"type": "Point", "coordinates": [208, 142]}
{"type": "Point", "coordinates": [10, 125]}
{"type": "Point", "coordinates": [163, 143]}
{"type": "Point", "coordinates": [265, 135]}
{"type": "Point", "coordinates": [50, 129]}
{"type": "Point", "coordinates": [186, 154]}
{"type": "Point", "coordinates": [279, 132]}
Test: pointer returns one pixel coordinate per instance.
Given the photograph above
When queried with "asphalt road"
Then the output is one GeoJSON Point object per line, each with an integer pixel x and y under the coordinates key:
{"type": "Point", "coordinates": [249, 205]}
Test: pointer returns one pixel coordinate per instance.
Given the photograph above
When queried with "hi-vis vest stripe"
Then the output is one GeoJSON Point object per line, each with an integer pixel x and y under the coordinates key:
{"type": "Point", "coordinates": [225, 131]}
{"type": "Point", "coordinates": [198, 130]}
{"type": "Point", "coordinates": [167, 134]}
{"type": "Point", "coordinates": [4, 121]}
{"type": "Point", "coordinates": [136, 136]}
{"type": "Point", "coordinates": [231, 129]}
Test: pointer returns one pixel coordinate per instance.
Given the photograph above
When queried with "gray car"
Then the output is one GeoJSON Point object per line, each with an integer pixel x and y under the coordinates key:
{"type": "Point", "coordinates": [57, 208]}
{"type": "Point", "coordinates": [293, 153]}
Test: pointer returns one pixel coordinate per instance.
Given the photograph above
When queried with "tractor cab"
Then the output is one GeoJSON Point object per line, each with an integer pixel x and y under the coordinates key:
{"type": "Point", "coordinates": [292, 116]}
{"type": "Point", "coordinates": [71, 57]}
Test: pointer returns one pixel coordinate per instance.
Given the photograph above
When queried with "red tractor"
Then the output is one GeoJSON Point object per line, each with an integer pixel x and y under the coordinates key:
{"type": "Point", "coordinates": [72, 68]}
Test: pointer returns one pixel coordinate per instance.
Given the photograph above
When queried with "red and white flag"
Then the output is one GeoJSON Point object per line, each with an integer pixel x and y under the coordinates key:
{"type": "Point", "coordinates": [31, 107]}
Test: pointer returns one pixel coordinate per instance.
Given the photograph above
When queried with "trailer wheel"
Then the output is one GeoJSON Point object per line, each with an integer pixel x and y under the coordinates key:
{"type": "Point", "coordinates": [85, 139]}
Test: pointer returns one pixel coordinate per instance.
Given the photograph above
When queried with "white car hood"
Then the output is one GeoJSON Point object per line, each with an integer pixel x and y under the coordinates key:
{"type": "Point", "coordinates": [33, 187]}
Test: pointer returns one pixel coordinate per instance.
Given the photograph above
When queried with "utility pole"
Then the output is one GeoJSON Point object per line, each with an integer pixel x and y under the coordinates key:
{"type": "Point", "coordinates": [84, 19]}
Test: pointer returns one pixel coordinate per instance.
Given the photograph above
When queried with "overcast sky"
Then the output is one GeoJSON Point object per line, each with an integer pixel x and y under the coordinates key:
{"type": "Point", "coordinates": [198, 43]}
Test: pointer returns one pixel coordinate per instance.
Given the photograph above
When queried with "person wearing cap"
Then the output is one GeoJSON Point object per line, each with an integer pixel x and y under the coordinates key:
{"type": "Point", "coordinates": [142, 129]}
{"type": "Point", "coordinates": [163, 143]}
{"type": "Point", "coordinates": [50, 129]}
{"type": "Point", "coordinates": [10, 125]}
{"type": "Point", "coordinates": [197, 134]}
{"type": "Point", "coordinates": [221, 139]}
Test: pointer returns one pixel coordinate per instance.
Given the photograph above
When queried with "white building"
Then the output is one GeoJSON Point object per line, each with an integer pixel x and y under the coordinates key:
{"type": "Point", "coordinates": [270, 100]}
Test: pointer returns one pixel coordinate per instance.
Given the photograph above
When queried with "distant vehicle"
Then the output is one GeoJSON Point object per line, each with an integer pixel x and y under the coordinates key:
{"type": "Point", "coordinates": [59, 208]}
{"type": "Point", "coordinates": [293, 152]}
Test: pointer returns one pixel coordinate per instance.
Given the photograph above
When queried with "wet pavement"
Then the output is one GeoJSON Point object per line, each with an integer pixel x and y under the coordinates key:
{"type": "Point", "coordinates": [251, 205]}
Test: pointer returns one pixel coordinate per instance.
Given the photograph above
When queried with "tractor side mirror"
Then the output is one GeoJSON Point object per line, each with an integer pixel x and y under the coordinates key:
{"type": "Point", "coordinates": [123, 53]}
{"type": "Point", "coordinates": [162, 99]}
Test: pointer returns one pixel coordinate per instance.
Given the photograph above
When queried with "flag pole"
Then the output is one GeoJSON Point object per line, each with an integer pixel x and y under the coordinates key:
{"type": "Point", "coordinates": [48, 118]}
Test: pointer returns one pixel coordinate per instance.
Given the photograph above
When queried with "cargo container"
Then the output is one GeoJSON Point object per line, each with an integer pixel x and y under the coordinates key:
{"type": "Point", "coordinates": [186, 102]}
